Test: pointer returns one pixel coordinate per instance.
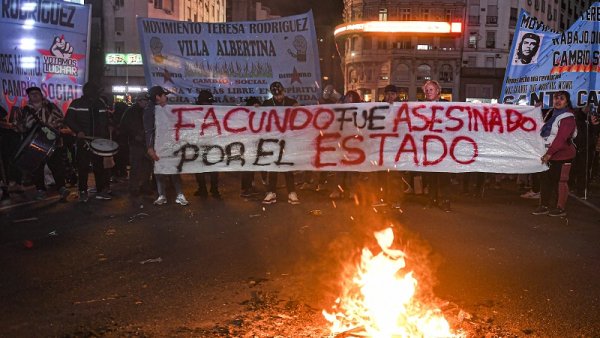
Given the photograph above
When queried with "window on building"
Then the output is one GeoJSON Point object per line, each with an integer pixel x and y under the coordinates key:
{"type": "Point", "coordinates": [401, 73]}
{"type": "Point", "coordinates": [120, 3]}
{"type": "Point", "coordinates": [382, 43]}
{"type": "Point", "coordinates": [119, 25]}
{"type": "Point", "coordinates": [405, 14]}
{"type": "Point", "coordinates": [473, 40]}
{"type": "Point", "coordinates": [423, 72]}
{"type": "Point", "coordinates": [367, 42]}
{"type": "Point", "coordinates": [403, 43]}
{"type": "Point", "coordinates": [490, 39]}
{"type": "Point", "coordinates": [354, 43]}
{"type": "Point", "coordinates": [513, 18]}
{"type": "Point", "coordinates": [425, 14]}
{"type": "Point", "coordinates": [119, 46]}
{"type": "Point", "coordinates": [490, 62]}
{"type": "Point", "coordinates": [369, 74]}
{"type": "Point", "coordinates": [447, 43]}
{"type": "Point", "coordinates": [158, 4]}
{"type": "Point", "coordinates": [446, 74]}
{"type": "Point", "coordinates": [384, 72]}
{"type": "Point", "coordinates": [492, 15]}
{"type": "Point", "coordinates": [474, 11]}
{"type": "Point", "coordinates": [543, 6]}
{"type": "Point", "coordinates": [383, 14]}
{"type": "Point", "coordinates": [353, 76]}
{"type": "Point", "coordinates": [472, 61]}
{"type": "Point", "coordinates": [448, 15]}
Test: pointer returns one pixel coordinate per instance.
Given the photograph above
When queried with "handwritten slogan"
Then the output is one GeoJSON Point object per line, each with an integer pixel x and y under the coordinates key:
{"type": "Point", "coordinates": [415, 136]}
{"type": "Point", "coordinates": [543, 62]}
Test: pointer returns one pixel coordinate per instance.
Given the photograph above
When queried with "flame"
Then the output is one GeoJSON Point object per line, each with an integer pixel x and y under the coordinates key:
{"type": "Point", "coordinates": [380, 300]}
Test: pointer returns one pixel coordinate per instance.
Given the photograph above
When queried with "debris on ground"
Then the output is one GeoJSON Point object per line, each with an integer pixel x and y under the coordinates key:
{"type": "Point", "coordinates": [152, 260]}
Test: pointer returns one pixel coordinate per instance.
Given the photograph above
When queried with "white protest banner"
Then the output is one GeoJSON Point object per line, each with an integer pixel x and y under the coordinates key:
{"type": "Point", "coordinates": [414, 136]}
{"type": "Point", "coordinates": [44, 44]}
{"type": "Point", "coordinates": [543, 62]}
{"type": "Point", "coordinates": [234, 60]}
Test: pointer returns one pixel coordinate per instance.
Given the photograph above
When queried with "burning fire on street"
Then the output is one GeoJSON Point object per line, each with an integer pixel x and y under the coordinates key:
{"type": "Point", "coordinates": [380, 300]}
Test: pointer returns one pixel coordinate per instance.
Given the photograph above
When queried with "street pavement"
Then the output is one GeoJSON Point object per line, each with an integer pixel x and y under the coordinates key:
{"type": "Point", "coordinates": [103, 269]}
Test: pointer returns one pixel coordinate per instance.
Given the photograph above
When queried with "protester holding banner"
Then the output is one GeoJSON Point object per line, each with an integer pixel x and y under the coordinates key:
{"type": "Point", "coordinates": [558, 132]}
{"type": "Point", "coordinates": [438, 182]}
{"type": "Point", "coordinates": [42, 113]}
{"type": "Point", "coordinates": [248, 189]}
{"type": "Point", "coordinates": [88, 117]}
{"type": "Point", "coordinates": [131, 129]}
{"type": "Point", "coordinates": [280, 99]}
{"type": "Point", "coordinates": [158, 103]}
{"type": "Point", "coordinates": [205, 97]}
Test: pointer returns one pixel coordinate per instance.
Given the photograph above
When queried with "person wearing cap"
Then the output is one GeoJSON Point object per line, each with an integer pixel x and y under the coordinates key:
{"type": "Point", "coordinates": [131, 129]}
{"type": "Point", "coordinates": [280, 100]}
{"type": "Point", "coordinates": [205, 97]}
{"type": "Point", "coordinates": [88, 118]}
{"type": "Point", "coordinates": [157, 97]}
{"type": "Point", "coordinates": [390, 94]}
{"type": "Point", "coordinates": [40, 111]}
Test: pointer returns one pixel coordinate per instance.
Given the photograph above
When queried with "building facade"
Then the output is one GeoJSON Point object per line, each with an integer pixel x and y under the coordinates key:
{"type": "Point", "coordinates": [114, 32]}
{"type": "Point", "coordinates": [402, 42]}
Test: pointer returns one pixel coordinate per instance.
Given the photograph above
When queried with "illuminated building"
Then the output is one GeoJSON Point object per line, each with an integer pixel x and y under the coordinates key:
{"type": "Point", "coordinates": [401, 42]}
{"type": "Point", "coordinates": [114, 31]}
{"type": "Point", "coordinates": [404, 42]}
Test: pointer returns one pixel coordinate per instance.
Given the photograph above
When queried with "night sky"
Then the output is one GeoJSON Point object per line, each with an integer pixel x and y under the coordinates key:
{"type": "Point", "coordinates": [326, 12]}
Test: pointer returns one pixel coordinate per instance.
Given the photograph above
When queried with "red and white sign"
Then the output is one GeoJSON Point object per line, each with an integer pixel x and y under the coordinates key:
{"type": "Point", "coordinates": [412, 136]}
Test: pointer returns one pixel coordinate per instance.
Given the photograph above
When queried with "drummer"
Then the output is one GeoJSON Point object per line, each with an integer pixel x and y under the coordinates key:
{"type": "Point", "coordinates": [87, 116]}
{"type": "Point", "coordinates": [40, 111]}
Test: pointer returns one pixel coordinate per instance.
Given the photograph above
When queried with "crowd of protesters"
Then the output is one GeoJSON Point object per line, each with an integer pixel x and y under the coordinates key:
{"type": "Point", "coordinates": [570, 136]}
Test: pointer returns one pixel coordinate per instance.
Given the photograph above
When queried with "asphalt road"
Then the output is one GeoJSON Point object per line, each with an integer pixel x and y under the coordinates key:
{"type": "Point", "coordinates": [236, 268]}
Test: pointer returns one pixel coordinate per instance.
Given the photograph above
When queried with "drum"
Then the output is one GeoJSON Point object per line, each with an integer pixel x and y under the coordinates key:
{"type": "Point", "coordinates": [37, 146]}
{"type": "Point", "coordinates": [103, 147]}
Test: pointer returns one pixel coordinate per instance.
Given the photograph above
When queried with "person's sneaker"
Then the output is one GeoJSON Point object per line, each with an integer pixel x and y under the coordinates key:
{"type": "Point", "coordinates": [541, 210]}
{"type": "Point", "coordinates": [92, 190]}
{"type": "Point", "coordinates": [293, 198]}
{"type": "Point", "coordinates": [64, 193]}
{"type": "Point", "coordinates": [246, 194]}
{"type": "Point", "coordinates": [103, 196]}
{"type": "Point", "coordinates": [558, 212]}
{"type": "Point", "coordinates": [160, 200]}
{"type": "Point", "coordinates": [181, 200]}
{"type": "Point", "coordinates": [40, 195]}
{"type": "Point", "coordinates": [83, 197]}
{"type": "Point", "coordinates": [270, 198]}
{"type": "Point", "coordinates": [530, 194]}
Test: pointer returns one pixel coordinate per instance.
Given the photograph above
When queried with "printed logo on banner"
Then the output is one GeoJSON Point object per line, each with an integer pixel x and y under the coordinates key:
{"type": "Point", "coordinates": [543, 61]}
{"type": "Point", "coordinates": [60, 59]}
{"type": "Point", "coordinates": [300, 45]}
{"type": "Point", "coordinates": [527, 48]}
{"type": "Point", "coordinates": [156, 47]}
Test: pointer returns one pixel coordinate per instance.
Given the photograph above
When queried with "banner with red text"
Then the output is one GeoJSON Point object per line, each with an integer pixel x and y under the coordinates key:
{"type": "Point", "coordinates": [413, 136]}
